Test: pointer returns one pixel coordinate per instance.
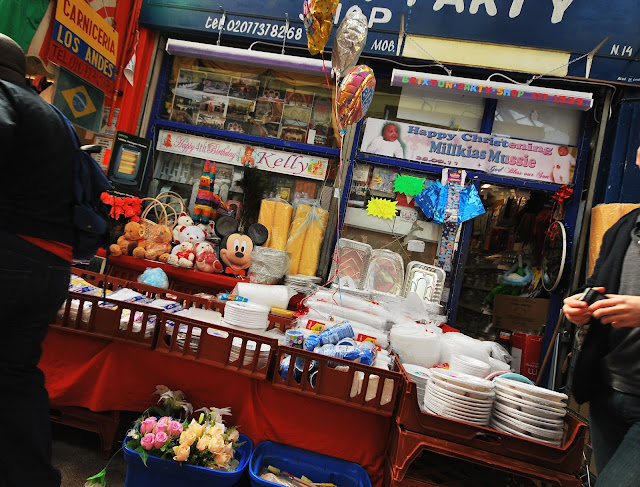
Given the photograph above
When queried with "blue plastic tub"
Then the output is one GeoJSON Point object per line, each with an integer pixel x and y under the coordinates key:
{"type": "Point", "coordinates": [299, 462]}
{"type": "Point", "coordinates": [168, 473]}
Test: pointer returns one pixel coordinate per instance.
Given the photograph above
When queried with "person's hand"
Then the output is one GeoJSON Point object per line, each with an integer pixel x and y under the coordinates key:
{"type": "Point", "coordinates": [618, 309]}
{"type": "Point", "coordinates": [576, 311]}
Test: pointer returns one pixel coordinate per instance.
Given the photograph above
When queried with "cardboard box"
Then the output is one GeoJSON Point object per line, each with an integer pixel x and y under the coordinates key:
{"type": "Point", "coordinates": [525, 352]}
{"type": "Point", "coordinates": [520, 314]}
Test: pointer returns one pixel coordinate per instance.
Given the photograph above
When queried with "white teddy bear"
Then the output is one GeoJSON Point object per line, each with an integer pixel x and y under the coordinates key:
{"type": "Point", "coordinates": [184, 221]}
{"type": "Point", "coordinates": [182, 255]}
{"type": "Point", "coordinates": [191, 234]}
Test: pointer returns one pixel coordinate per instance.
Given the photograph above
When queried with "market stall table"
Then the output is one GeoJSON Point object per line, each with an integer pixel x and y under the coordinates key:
{"type": "Point", "coordinates": [103, 375]}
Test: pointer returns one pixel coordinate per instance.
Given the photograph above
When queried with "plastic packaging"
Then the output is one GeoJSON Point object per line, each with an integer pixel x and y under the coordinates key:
{"type": "Point", "coordinates": [305, 238]}
{"type": "Point", "coordinates": [231, 297]}
{"type": "Point", "coordinates": [268, 265]}
{"type": "Point", "coordinates": [415, 345]}
{"type": "Point", "coordinates": [293, 338]}
{"type": "Point", "coordinates": [275, 214]}
{"type": "Point", "coordinates": [154, 276]}
{"type": "Point", "coordinates": [335, 334]}
{"type": "Point", "coordinates": [343, 313]}
{"type": "Point", "coordinates": [271, 296]}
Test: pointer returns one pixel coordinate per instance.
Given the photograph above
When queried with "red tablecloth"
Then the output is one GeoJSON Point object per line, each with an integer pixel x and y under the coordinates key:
{"type": "Point", "coordinates": [102, 375]}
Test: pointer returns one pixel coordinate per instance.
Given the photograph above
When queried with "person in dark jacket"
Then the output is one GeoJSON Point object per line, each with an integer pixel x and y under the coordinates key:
{"type": "Point", "coordinates": [36, 236]}
{"type": "Point", "coordinates": [614, 409]}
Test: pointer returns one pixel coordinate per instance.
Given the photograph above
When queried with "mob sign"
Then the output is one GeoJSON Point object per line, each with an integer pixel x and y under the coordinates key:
{"type": "Point", "coordinates": [84, 43]}
{"type": "Point", "coordinates": [243, 155]}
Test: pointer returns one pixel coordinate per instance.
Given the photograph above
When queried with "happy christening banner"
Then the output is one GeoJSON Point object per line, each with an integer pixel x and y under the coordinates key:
{"type": "Point", "coordinates": [300, 165]}
{"type": "Point", "coordinates": [468, 150]}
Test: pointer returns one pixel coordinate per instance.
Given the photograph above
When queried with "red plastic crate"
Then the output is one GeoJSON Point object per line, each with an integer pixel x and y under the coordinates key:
{"type": "Point", "coordinates": [185, 300]}
{"type": "Point", "coordinates": [340, 386]}
{"type": "Point", "coordinates": [99, 280]}
{"type": "Point", "coordinates": [108, 318]}
{"type": "Point", "coordinates": [212, 344]}
{"type": "Point", "coordinates": [567, 458]}
{"type": "Point", "coordinates": [406, 446]}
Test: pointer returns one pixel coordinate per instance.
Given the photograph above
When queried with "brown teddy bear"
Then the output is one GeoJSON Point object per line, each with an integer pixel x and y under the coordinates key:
{"type": "Point", "coordinates": [158, 242]}
{"type": "Point", "coordinates": [131, 243]}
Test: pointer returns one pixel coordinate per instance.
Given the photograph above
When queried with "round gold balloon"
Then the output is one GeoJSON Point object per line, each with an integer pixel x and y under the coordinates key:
{"type": "Point", "coordinates": [355, 94]}
{"type": "Point", "coordinates": [318, 21]}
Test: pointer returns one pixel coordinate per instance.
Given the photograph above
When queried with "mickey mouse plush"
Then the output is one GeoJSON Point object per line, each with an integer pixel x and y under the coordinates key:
{"type": "Point", "coordinates": [236, 248]}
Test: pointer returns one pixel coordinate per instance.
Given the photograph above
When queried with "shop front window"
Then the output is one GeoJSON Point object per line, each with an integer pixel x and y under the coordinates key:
{"type": "Point", "coordinates": [250, 100]}
{"type": "Point", "coordinates": [536, 122]}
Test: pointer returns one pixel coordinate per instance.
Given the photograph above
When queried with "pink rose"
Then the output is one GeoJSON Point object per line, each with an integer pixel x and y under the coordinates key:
{"type": "Point", "coordinates": [148, 425]}
{"type": "Point", "coordinates": [174, 429]}
{"type": "Point", "coordinates": [161, 439]}
{"type": "Point", "coordinates": [163, 423]}
{"type": "Point", "coordinates": [234, 436]}
{"type": "Point", "coordinates": [148, 441]}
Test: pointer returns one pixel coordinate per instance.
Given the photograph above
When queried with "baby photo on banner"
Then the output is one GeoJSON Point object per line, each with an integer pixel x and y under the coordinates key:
{"type": "Point", "coordinates": [493, 154]}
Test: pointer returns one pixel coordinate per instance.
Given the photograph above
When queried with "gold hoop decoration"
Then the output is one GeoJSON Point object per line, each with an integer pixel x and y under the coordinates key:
{"type": "Point", "coordinates": [159, 211]}
{"type": "Point", "coordinates": [174, 204]}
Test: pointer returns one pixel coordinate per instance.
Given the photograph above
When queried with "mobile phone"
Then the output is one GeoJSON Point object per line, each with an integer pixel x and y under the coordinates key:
{"type": "Point", "coordinates": [590, 296]}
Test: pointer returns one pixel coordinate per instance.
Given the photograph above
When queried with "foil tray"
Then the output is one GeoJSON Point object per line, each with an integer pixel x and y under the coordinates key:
{"type": "Point", "coordinates": [425, 280]}
{"type": "Point", "coordinates": [385, 273]}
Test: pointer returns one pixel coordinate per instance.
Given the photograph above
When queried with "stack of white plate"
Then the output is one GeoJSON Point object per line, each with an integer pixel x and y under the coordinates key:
{"type": "Point", "coordinates": [529, 411]}
{"type": "Point", "coordinates": [236, 345]}
{"type": "Point", "coordinates": [459, 396]}
{"type": "Point", "coordinates": [419, 375]}
{"type": "Point", "coordinates": [469, 365]}
{"type": "Point", "coordinates": [302, 284]}
{"type": "Point", "coordinates": [254, 317]}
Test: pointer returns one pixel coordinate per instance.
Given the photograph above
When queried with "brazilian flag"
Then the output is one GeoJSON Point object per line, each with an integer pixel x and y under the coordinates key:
{"type": "Point", "coordinates": [80, 101]}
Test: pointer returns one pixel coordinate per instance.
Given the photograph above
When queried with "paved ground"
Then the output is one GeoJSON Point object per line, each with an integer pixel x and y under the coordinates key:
{"type": "Point", "coordinates": [77, 454]}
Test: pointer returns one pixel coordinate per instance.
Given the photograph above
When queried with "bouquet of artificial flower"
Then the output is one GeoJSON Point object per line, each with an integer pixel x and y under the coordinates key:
{"type": "Point", "coordinates": [164, 431]}
{"type": "Point", "coordinates": [206, 442]}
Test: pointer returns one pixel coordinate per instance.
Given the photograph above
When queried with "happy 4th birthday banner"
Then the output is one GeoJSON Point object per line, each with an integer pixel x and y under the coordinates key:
{"type": "Point", "coordinates": [469, 150]}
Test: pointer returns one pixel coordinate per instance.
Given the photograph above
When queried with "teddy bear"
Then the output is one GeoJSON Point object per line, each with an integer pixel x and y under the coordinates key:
{"type": "Point", "coordinates": [132, 242]}
{"type": "Point", "coordinates": [191, 234]}
{"type": "Point", "coordinates": [182, 255]}
{"type": "Point", "coordinates": [184, 221]}
{"type": "Point", "coordinates": [206, 258]}
{"type": "Point", "coordinates": [158, 243]}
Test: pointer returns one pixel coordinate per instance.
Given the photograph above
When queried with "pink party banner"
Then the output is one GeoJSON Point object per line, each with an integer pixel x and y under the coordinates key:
{"type": "Point", "coordinates": [288, 163]}
{"type": "Point", "coordinates": [492, 154]}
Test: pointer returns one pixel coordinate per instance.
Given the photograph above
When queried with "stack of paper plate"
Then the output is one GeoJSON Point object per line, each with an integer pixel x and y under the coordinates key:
{"type": "Point", "coordinates": [459, 396]}
{"type": "Point", "coordinates": [246, 315]}
{"type": "Point", "coordinates": [529, 411]}
{"type": "Point", "coordinates": [249, 353]}
{"type": "Point", "coordinates": [419, 375]}
{"type": "Point", "coordinates": [469, 365]}
{"type": "Point", "coordinates": [302, 284]}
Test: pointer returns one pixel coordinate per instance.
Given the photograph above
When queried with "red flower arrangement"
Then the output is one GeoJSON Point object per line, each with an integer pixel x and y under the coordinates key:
{"type": "Point", "coordinates": [128, 207]}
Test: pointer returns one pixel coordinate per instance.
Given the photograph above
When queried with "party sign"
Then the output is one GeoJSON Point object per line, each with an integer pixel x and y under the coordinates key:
{"type": "Point", "coordinates": [493, 154]}
{"type": "Point", "coordinates": [293, 164]}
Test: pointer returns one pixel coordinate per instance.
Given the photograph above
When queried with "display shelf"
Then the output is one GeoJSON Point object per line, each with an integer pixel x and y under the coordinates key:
{"type": "Point", "coordinates": [180, 279]}
{"type": "Point", "coordinates": [338, 381]}
{"type": "Point", "coordinates": [477, 309]}
{"type": "Point", "coordinates": [108, 318]}
{"type": "Point", "coordinates": [358, 218]}
{"type": "Point", "coordinates": [424, 430]}
{"type": "Point", "coordinates": [486, 267]}
{"type": "Point", "coordinates": [406, 446]}
{"type": "Point", "coordinates": [479, 288]}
